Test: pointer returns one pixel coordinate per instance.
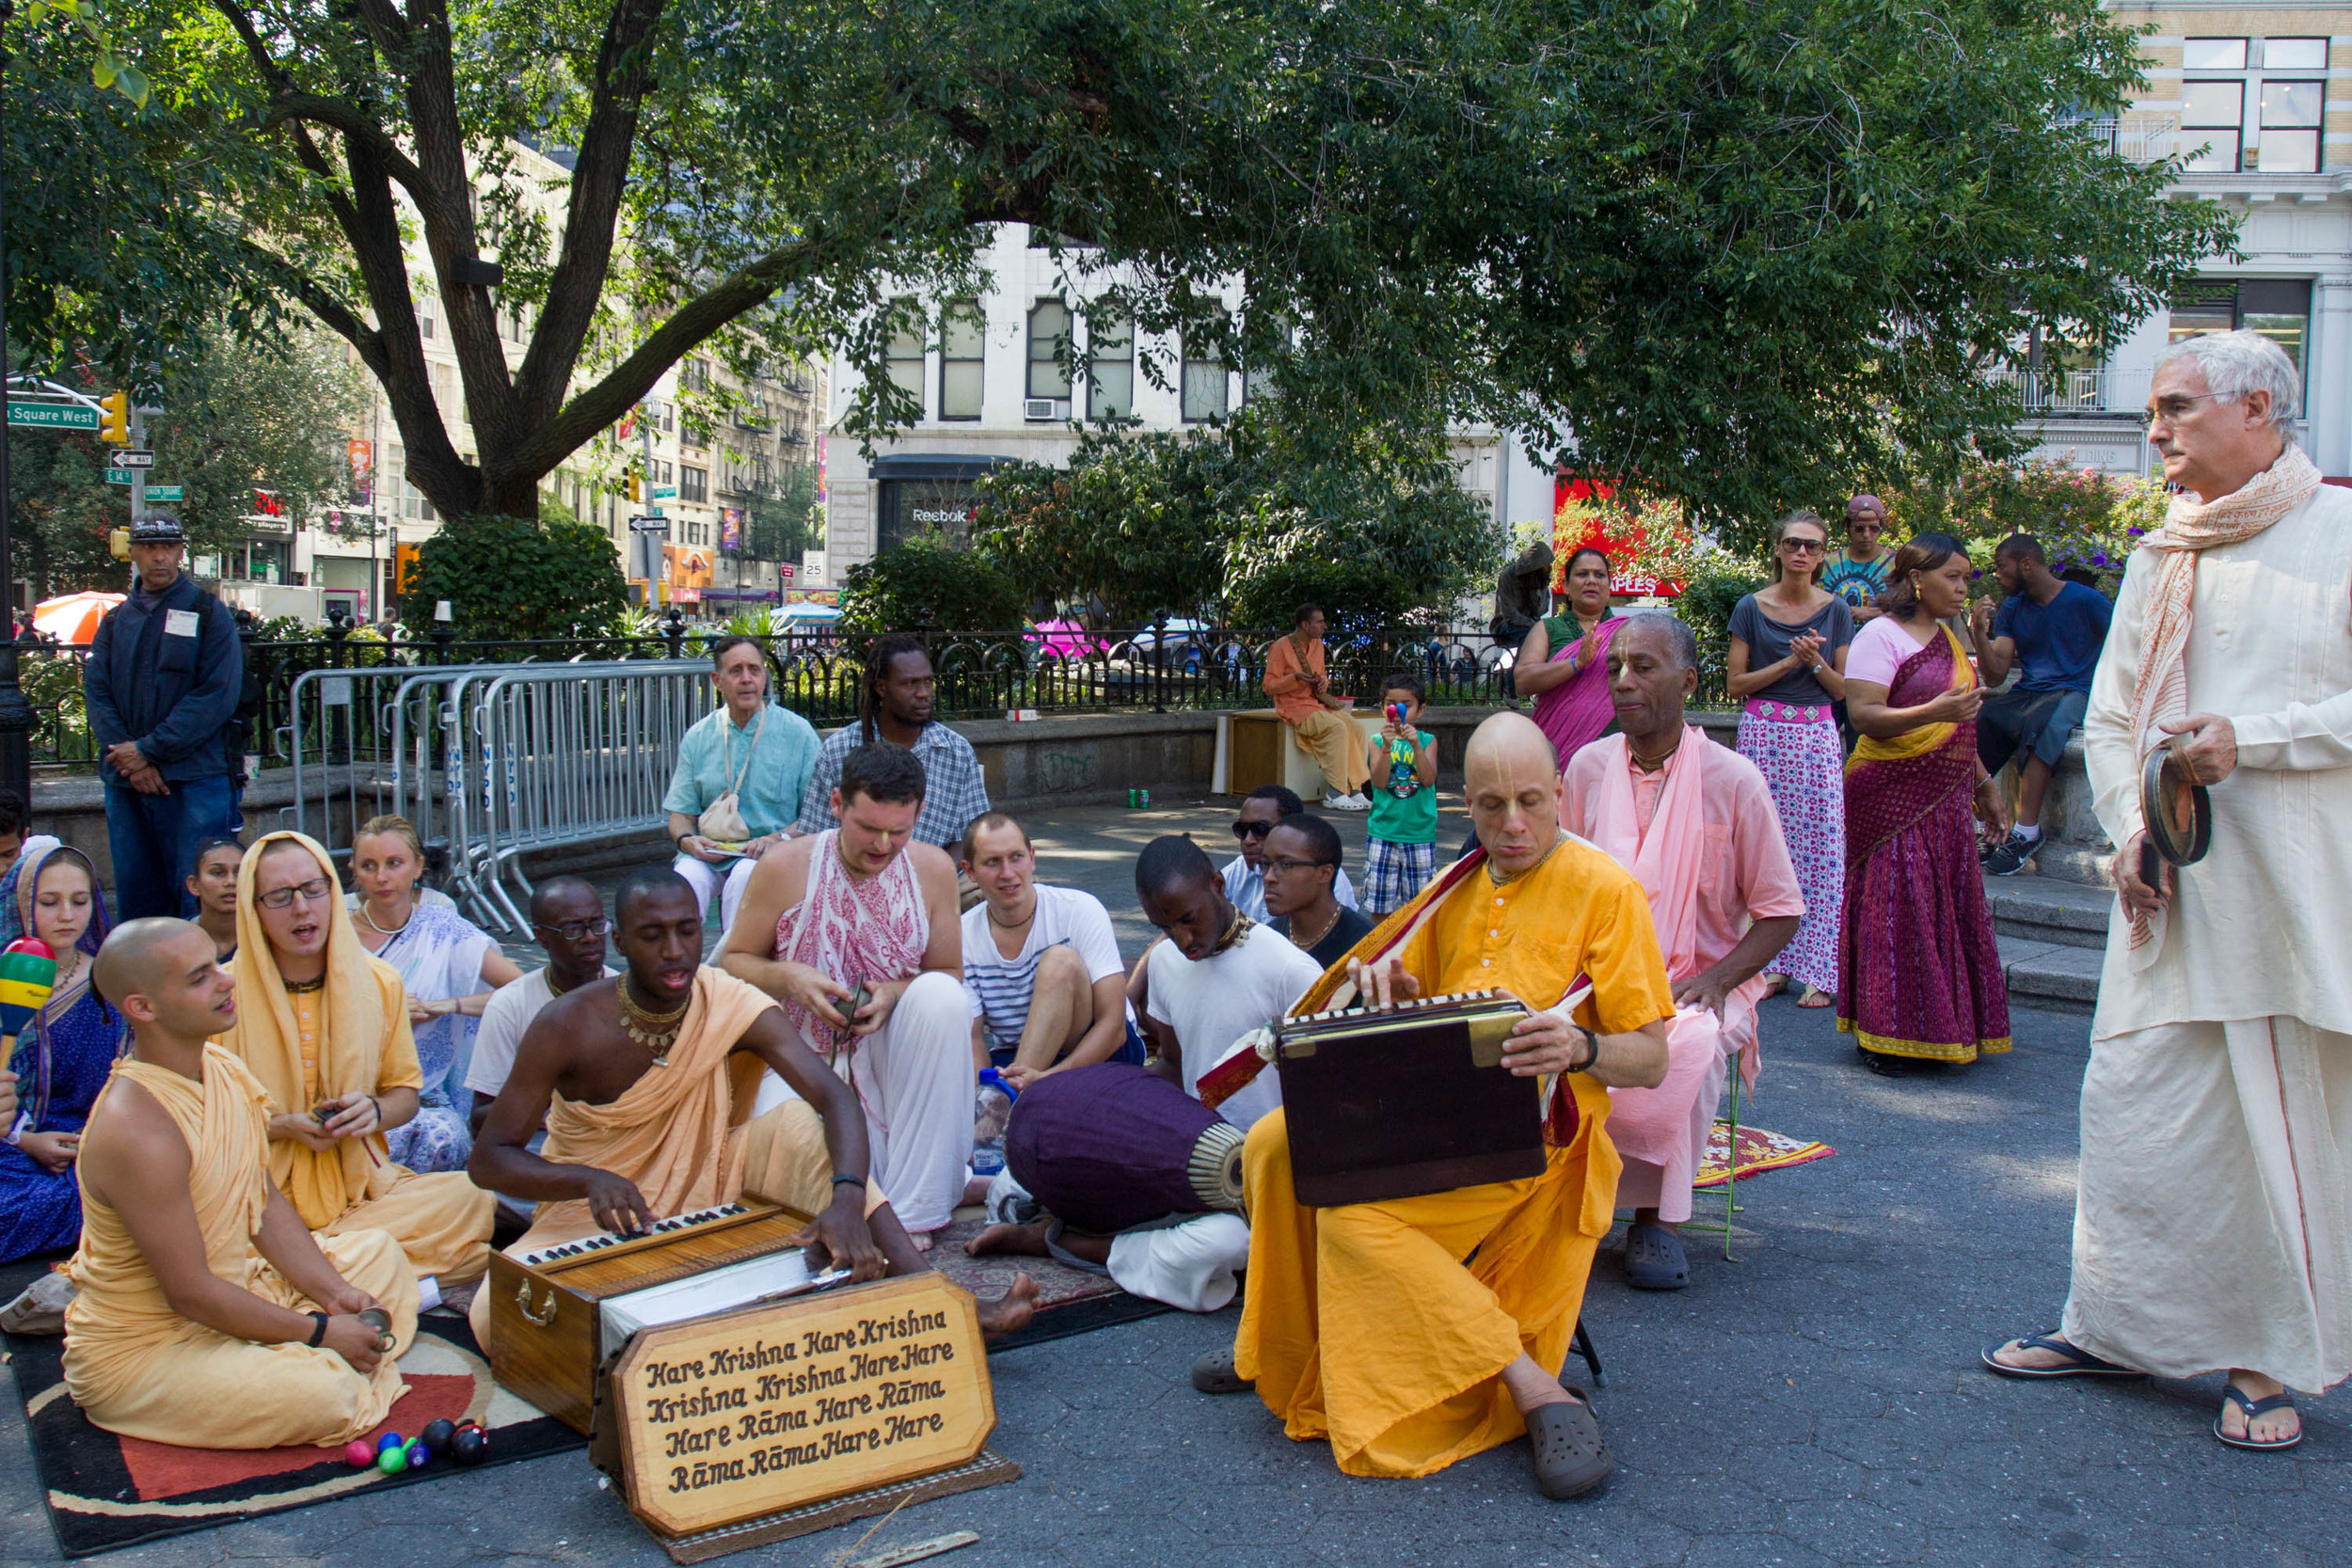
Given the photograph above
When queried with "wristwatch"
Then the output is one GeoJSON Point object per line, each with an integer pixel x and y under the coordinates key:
{"type": "Point", "coordinates": [1592, 1050]}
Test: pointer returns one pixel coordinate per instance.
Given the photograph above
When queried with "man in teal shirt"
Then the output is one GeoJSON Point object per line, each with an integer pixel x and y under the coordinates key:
{"type": "Point", "coordinates": [749, 753]}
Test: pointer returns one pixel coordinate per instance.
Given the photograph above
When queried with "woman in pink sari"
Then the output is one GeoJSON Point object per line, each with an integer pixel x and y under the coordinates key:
{"type": "Point", "coordinates": [1564, 664]}
{"type": "Point", "coordinates": [1920, 976]}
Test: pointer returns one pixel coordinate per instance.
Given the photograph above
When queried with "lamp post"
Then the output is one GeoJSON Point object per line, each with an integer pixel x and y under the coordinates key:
{"type": "Point", "coordinates": [16, 714]}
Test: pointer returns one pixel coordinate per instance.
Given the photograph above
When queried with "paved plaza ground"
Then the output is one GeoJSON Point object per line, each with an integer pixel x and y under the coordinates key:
{"type": "Point", "coordinates": [1816, 1402]}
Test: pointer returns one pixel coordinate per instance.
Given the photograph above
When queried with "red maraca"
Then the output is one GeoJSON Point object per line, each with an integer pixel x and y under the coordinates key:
{"type": "Point", "coordinates": [28, 973]}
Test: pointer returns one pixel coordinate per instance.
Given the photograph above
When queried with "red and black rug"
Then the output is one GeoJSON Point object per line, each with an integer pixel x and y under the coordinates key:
{"type": "Point", "coordinates": [104, 1492]}
{"type": "Point", "coordinates": [1069, 1301]}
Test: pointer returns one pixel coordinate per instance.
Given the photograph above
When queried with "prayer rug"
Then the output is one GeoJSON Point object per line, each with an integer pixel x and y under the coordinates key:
{"type": "Point", "coordinates": [1759, 1151]}
{"type": "Point", "coordinates": [104, 1492]}
{"type": "Point", "coordinates": [1069, 1301]}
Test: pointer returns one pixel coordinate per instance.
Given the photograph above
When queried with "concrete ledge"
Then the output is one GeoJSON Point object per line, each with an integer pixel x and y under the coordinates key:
{"type": "Point", "coordinates": [2052, 977]}
{"type": "Point", "coordinates": [2050, 910]}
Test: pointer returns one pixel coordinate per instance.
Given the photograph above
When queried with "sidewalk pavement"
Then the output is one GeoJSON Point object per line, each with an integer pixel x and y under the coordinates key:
{"type": "Point", "coordinates": [1816, 1402]}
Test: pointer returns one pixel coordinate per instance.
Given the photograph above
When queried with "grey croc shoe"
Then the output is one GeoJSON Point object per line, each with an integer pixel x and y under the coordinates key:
{"type": "Point", "coordinates": [1654, 1259]}
{"type": "Point", "coordinates": [1214, 1373]}
{"type": "Point", "coordinates": [1566, 1443]}
{"type": "Point", "coordinates": [41, 1308]}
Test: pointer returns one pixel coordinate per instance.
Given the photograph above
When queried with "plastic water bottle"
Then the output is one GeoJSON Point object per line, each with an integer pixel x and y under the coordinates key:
{"type": "Point", "coordinates": [991, 1110]}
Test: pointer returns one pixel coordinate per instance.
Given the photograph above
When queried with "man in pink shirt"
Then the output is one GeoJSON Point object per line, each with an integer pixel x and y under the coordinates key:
{"type": "Point", "coordinates": [1694, 822]}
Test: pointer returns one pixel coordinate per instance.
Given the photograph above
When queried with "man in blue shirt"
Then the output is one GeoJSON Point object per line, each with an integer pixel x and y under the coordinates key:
{"type": "Point", "coordinates": [750, 753]}
{"type": "Point", "coordinates": [2051, 630]}
{"type": "Point", "coordinates": [162, 684]}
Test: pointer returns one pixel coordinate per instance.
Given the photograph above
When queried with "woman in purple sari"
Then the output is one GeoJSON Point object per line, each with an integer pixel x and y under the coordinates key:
{"type": "Point", "coordinates": [1564, 664]}
{"type": "Point", "coordinates": [63, 1056]}
{"type": "Point", "coordinates": [1920, 976]}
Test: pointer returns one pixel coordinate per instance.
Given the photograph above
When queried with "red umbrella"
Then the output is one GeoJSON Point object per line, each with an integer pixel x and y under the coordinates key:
{"type": "Point", "coordinates": [74, 617]}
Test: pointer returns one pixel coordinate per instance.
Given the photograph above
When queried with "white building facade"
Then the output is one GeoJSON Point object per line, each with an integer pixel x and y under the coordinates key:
{"type": "Point", "coordinates": [2261, 95]}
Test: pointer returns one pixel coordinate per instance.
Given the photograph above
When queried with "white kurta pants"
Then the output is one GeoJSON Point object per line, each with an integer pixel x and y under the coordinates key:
{"type": "Point", "coordinates": [728, 882]}
{"type": "Point", "coordinates": [1192, 1265]}
{"type": "Point", "coordinates": [916, 1082]}
{"type": "Point", "coordinates": [2214, 1227]}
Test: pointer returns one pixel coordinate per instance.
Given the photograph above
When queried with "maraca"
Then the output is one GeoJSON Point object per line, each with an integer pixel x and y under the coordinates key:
{"type": "Point", "coordinates": [28, 973]}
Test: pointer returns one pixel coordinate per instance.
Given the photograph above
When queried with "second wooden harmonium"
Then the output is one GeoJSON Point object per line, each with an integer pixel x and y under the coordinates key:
{"type": "Point", "coordinates": [1404, 1101]}
{"type": "Point", "coordinates": [558, 1313]}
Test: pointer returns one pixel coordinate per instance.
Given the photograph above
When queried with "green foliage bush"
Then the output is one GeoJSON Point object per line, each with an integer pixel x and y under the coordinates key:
{"type": "Point", "coordinates": [2085, 520]}
{"type": "Point", "coordinates": [957, 590]}
{"type": "Point", "coordinates": [511, 578]}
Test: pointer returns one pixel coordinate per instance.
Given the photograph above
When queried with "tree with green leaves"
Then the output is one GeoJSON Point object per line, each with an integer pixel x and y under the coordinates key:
{"type": "Point", "coordinates": [1732, 251]}
{"type": "Point", "coordinates": [240, 420]}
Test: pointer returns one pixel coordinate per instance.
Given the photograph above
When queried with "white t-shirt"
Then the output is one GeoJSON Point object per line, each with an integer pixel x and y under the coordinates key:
{"type": "Point", "coordinates": [1001, 986]}
{"type": "Point", "coordinates": [504, 1017]}
{"type": "Point", "coordinates": [1244, 887]}
{"type": "Point", "coordinates": [1213, 1002]}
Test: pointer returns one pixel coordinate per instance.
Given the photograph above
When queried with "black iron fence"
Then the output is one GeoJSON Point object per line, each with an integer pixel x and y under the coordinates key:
{"type": "Point", "coordinates": [1167, 666]}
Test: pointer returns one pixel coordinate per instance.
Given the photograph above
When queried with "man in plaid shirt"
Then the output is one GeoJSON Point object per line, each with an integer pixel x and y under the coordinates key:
{"type": "Point", "coordinates": [895, 704]}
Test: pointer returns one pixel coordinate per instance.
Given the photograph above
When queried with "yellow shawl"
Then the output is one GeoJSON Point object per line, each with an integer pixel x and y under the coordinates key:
{"type": "Point", "coordinates": [368, 1048]}
{"type": "Point", "coordinates": [1927, 737]}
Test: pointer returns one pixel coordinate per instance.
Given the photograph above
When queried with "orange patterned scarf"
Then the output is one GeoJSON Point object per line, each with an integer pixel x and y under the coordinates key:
{"type": "Point", "coordinates": [2160, 689]}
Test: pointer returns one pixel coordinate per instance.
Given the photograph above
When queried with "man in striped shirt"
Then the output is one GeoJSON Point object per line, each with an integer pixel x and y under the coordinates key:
{"type": "Point", "coordinates": [1041, 963]}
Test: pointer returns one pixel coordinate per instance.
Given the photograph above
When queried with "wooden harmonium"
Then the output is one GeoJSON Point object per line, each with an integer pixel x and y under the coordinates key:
{"type": "Point", "coordinates": [1407, 1100]}
{"type": "Point", "coordinates": [558, 1314]}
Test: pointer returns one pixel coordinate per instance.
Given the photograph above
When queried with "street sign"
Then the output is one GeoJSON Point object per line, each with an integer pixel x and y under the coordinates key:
{"type": "Point", "coordinates": [52, 415]}
{"type": "Point", "coordinates": [119, 476]}
{"type": "Point", "coordinates": [133, 458]}
{"type": "Point", "coordinates": [162, 492]}
{"type": "Point", "coordinates": [665, 492]}
{"type": "Point", "coordinates": [655, 524]}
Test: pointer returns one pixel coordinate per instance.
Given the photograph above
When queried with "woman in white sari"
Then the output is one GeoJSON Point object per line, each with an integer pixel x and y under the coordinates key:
{"type": "Point", "coordinates": [448, 967]}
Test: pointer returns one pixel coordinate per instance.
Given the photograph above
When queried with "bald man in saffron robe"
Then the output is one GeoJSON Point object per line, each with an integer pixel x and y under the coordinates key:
{"type": "Point", "coordinates": [1362, 1325]}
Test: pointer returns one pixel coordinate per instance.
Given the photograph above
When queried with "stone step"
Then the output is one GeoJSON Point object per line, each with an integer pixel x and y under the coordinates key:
{"type": "Point", "coordinates": [2047, 910]}
{"type": "Point", "coordinates": [2050, 977]}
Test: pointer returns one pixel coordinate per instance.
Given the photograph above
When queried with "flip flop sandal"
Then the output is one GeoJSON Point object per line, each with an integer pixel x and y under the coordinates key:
{"type": "Point", "coordinates": [1570, 1457]}
{"type": "Point", "coordinates": [2079, 1362]}
{"type": "Point", "coordinates": [2233, 1394]}
{"type": "Point", "coordinates": [1654, 1259]}
{"type": "Point", "coordinates": [1214, 1373]}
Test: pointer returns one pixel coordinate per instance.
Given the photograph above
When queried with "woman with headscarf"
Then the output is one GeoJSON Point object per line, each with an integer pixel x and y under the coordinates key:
{"type": "Point", "coordinates": [1564, 664]}
{"type": "Point", "coordinates": [324, 1026]}
{"type": "Point", "coordinates": [62, 1056]}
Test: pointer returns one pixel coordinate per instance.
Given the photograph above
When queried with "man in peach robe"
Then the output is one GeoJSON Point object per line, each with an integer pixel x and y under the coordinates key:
{"type": "Point", "coordinates": [1693, 821]}
{"type": "Point", "coordinates": [205, 1314]}
{"type": "Point", "coordinates": [1363, 1324]}
{"type": "Point", "coordinates": [1302, 696]}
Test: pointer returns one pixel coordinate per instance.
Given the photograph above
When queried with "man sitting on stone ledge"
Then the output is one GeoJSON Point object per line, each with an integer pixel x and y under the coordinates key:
{"type": "Point", "coordinates": [1363, 1323]}
{"type": "Point", "coordinates": [1302, 696]}
{"type": "Point", "coordinates": [646, 1083]}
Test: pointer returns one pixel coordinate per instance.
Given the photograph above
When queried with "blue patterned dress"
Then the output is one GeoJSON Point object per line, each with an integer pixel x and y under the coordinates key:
{"type": "Point", "coordinates": [61, 1060]}
{"type": "Point", "coordinates": [438, 953]}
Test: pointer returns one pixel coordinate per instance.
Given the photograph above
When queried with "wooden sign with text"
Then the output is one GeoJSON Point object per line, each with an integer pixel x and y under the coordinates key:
{"type": "Point", "coordinates": [776, 1406]}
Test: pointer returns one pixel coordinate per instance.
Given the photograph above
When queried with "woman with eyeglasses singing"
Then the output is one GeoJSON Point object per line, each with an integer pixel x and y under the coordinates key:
{"type": "Point", "coordinates": [448, 967]}
{"type": "Point", "coordinates": [1787, 662]}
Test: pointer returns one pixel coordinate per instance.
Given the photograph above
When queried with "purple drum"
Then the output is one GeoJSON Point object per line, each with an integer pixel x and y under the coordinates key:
{"type": "Point", "coordinates": [1111, 1146]}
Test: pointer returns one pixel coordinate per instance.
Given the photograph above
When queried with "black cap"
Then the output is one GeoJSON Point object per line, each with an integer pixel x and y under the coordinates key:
{"type": "Point", "coordinates": [158, 528]}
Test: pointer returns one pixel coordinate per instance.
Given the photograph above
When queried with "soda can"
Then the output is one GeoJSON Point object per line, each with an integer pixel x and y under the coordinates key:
{"type": "Point", "coordinates": [1143, 798]}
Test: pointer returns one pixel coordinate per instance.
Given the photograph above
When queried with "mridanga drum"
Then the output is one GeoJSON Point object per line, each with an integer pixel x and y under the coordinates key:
{"type": "Point", "coordinates": [1108, 1147]}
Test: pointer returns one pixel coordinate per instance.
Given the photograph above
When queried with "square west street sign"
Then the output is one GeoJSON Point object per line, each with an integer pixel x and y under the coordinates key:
{"type": "Point", "coordinates": [52, 415]}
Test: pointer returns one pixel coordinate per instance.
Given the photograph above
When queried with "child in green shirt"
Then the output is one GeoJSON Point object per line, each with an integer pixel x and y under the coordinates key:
{"type": "Point", "coordinates": [1401, 853]}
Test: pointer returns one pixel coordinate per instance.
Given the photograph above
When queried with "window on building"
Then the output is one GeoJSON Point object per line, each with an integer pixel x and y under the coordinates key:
{"type": "Point", "coordinates": [696, 376]}
{"type": "Point", "coordinates": [2213, 113]}
{"type": "Point", "coordinates": [1206, 392]}
{"type": "Point", "coordinates": [2279, 308]}
{"type": "Point", "coordinates": [2289, 141]}
{"type": "Point", "coordinates": [693, 485]}
{"type": "Point", "coordinates": [1111, 368]}
{"type": "Point", "coordinates": [2294, 53]}
{"type": "Point", "coordinates": [962, 336]}
{"type": "Point", "coordinates": [428, 318]}
{"type": "Point", "coordinates": [902, 356]}
{"type": "Point", "coordinates": [2213, 53]}
{"type": "Point", "coordinates": [1049, 339]}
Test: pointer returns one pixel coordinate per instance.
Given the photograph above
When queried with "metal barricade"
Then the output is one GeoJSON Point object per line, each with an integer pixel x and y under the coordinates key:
{"type": "Point", "coordinates": [559, 755]}
{"type": "Point", "coordinates": [345, 734]}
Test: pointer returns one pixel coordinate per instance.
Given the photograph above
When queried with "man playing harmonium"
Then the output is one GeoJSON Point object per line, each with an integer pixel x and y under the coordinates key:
{"type": "Point", "coordinates": [1363, 1323]}
{"type": "Point", "coordinates": [1693, 821]}
{"type": "Point", "coordinates": [854, 930]}
{"type": "Point", "coordinates": [206, 1313]}
{"type": "Point", "coordinates": [646, 1083]}
{"type": "Point", "coordinates": [323, 1024]}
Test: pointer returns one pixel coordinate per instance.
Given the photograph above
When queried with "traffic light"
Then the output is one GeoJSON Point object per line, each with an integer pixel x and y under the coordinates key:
{"type": "Point", "coordinates": [636, 485]}
{"type": "Point", "coordinates": [113, 418]}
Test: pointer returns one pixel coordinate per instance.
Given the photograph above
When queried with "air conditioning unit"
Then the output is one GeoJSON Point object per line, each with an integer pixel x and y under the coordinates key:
{"type": "Point", "coordinates": [1045, 408]}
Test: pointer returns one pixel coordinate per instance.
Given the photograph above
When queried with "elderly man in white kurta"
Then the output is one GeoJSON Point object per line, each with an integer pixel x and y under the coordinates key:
{"type": "Point", "coordinates": [2213, 1222]}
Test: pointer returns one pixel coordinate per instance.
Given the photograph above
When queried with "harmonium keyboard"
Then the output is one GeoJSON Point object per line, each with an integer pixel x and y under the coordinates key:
{"type": "Point", "coordinates": [558, 1314]}
{"type": "Point", "coordinates": [1386, 1103]}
